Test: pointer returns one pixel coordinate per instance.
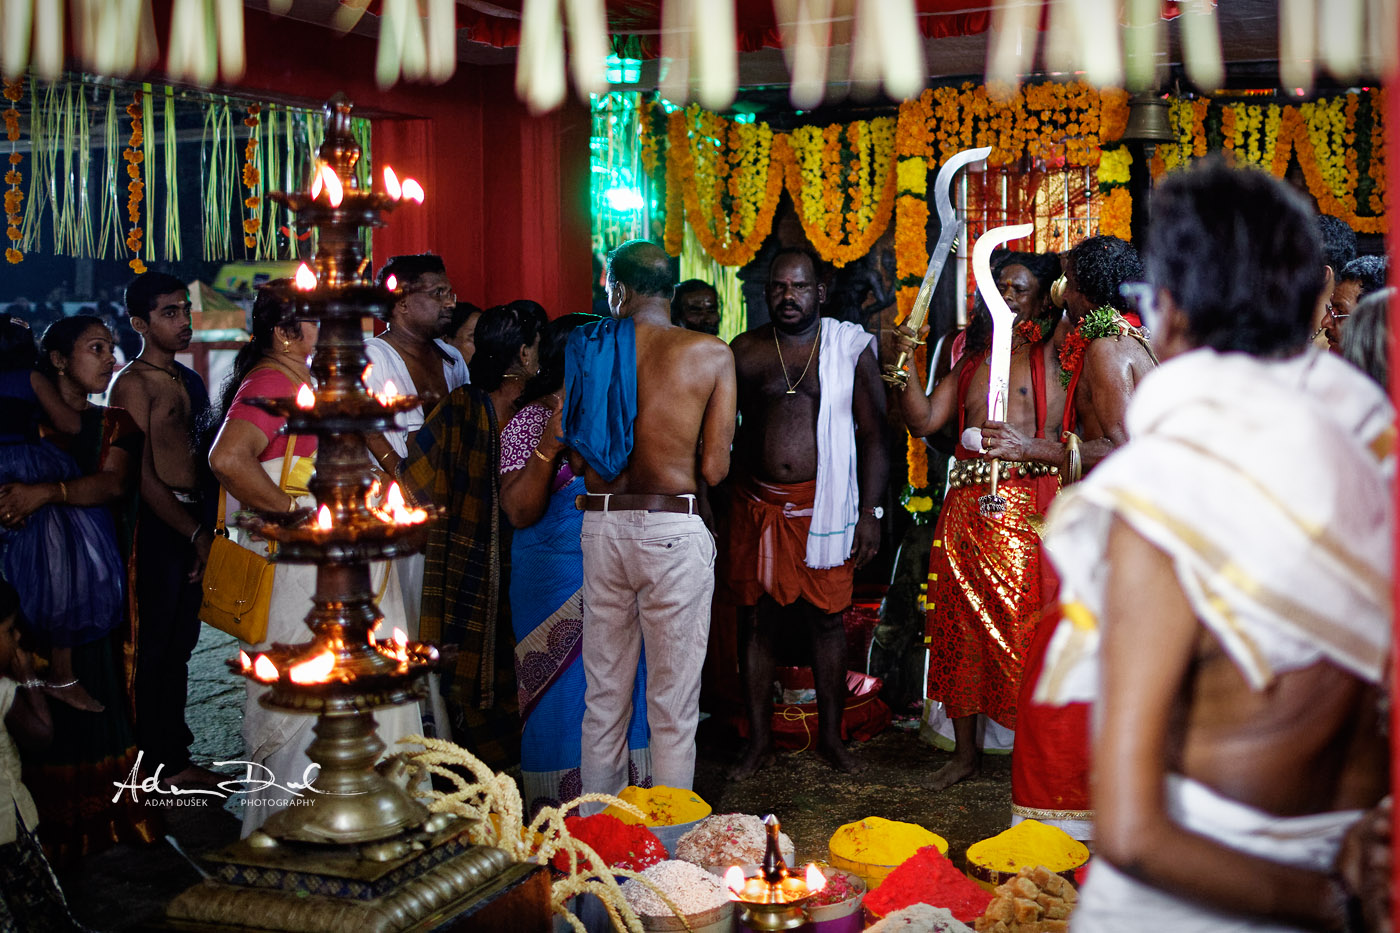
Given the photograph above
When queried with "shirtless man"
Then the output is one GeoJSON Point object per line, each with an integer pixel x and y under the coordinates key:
{"type": "Point", "coordinates": [783, 369]}
{"type": "Point", "coordinates": [648, 560]}
{"type": "Point", "coordinates": [986, 589]}
{"type": "Point", "coordinates": [169, 402]}
{"type": "Point", "coordinates": [1235, 652]}
{"type": "Point", "coordinates": [1111, 367]}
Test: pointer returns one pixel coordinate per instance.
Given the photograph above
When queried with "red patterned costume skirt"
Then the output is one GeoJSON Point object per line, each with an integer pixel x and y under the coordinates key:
{"type": "Point", "coordinates": [986, 593]}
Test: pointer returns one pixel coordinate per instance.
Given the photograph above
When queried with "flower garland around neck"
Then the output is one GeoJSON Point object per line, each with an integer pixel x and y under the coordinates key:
{"type": "Point", "coordinates": [14, 197]}
{"type": "Point", "coordinates": [1035, 330]}
{"type": "Point", "coordinates": [1101, 322]}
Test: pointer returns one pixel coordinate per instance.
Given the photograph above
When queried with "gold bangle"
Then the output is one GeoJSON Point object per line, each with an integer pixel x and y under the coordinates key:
{"type": "Point", "coordinates": [1074, 466]}
{"type": "Point", "coordinates": [63, 490]}
{"type": "Point", "coordinates": [549, 460]}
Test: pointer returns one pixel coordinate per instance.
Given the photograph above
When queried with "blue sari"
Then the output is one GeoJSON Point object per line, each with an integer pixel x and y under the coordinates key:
{"type": "Point", "coordinates": [546, 604]}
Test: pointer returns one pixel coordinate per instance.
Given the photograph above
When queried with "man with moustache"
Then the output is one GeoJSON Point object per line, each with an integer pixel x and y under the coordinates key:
{"type": "Point", "coordinates": [806, 503]}
{"type": "Point", "coordinates": [169, 402]}
{"type": "Point", "coordinates": [986, 588]}
{"type": "Point", "coordinates": [695, 306]}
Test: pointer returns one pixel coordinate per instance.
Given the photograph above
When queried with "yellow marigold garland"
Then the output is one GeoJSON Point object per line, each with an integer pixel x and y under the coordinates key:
{"type": "Point", "coordinates": [251, 178]}
{"type": "Point", "coordinates": [728, 169]}
{"type": "Point", "coordinates": [135, 188]}
{"type": "Point", "coordinates": [14, 197]}
{"type": "Point", "coordinates": [678, 144]}
{"type": "Point", "coordinates": [843, 219]}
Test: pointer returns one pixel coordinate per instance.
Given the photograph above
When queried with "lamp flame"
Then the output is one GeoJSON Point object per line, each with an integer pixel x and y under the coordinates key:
{"type": "Point", "coordinates": [412, 191]}
{"type": "Point", "coordinates": [391, 184]}
{"type": "Point", "coordinates": [815, 879]}
{"type": "Point", "coordinates": [305, 279]}
{"type": "Point", "coordinates": [734, 879]}
{"type": "Point", "coordinates": [244, 661]}
{"type": "Point", "coordinates": [315, 671]}
{"type": "Point", "coordinates": [264, 669]}
{"type": "Point", "coordinates": [305, 397]}
{"type": "Point", "coordinates": [372, 639]}
{"type": "Point", "coordinates": [323, 518]}
{"type": "Point", "coordinates": [335, 191]}
{"type": "Point", "coordinates": [369, 368]}
{"type": "Point", "coordinates": [317, 182]}
{"type": "Point", "coordinates": [396, 508]}
{"type": "Point", "coordinates": [389, 394]}
{"type": "Point", "coordinates": [392, 282]}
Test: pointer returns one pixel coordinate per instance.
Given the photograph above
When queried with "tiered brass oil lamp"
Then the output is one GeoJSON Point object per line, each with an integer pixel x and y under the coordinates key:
{"type": "Point", "coordinates": [774, 898]}
{"type": "Point", "coordinates": [359, 851]}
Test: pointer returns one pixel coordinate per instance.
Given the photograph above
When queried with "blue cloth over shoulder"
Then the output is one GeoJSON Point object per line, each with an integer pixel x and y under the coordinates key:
{"type": "Point", "coordinates": [600, 379]}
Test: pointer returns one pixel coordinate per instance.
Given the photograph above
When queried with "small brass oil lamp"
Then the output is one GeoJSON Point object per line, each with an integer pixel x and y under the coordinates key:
{"type": "Point", "coordinates": [775, 897]}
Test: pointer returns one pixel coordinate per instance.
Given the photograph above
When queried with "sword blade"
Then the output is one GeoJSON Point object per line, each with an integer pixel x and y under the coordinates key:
{"type": "Point", "coordinates": [947, 232]}
{"type": "Point", "coordinates": [1003, 318]}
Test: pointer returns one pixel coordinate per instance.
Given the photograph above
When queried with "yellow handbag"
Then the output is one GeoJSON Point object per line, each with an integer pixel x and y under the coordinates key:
{"type": "Point", "coordinates": [237, 581]}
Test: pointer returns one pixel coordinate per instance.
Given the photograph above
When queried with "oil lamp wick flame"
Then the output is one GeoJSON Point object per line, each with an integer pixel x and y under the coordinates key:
{"type": "Point", "coordinates": [734, 879]}
{"type": "Point", "coordinates": [305, 397]}
{"type": "Point", "coordinates": [305, 279]}
{"type": "Point", "coordinates": [815, 879]}
{"type": "Point", "coordinates": [391, 184]}
{"type": "Point", "coordinates": [323, 518]}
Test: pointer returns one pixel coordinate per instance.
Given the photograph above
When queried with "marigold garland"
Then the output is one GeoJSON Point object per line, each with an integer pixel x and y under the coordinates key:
{"type": "Point", "coordinates": [732, 184]}
{"type": "Point", "coordinates": [136, 188]}
{"type": "Point", "coordinates": [1378, 201]}
{"type": "Point", "coordinates": [252, 177]}
{"type": "Point", "coordinates": [14, 197]}
{"type": "Point", "coordinates": [842, 219]}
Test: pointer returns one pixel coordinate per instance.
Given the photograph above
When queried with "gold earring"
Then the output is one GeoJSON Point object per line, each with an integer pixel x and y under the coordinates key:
{"type": "Point", "coordinates": [286, 344]}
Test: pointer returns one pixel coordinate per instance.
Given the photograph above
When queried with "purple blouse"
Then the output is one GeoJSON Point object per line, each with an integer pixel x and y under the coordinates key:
{"type": "Point", "coordinates": [520, 438]}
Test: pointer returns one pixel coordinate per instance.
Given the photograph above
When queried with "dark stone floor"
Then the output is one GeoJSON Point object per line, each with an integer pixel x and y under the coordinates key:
{"type": "Point", "coordinates": [126, 887]}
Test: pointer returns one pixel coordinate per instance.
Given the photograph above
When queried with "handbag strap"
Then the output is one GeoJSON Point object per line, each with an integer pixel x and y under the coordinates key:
{"type": "Point", "coordinates": [221, 523]}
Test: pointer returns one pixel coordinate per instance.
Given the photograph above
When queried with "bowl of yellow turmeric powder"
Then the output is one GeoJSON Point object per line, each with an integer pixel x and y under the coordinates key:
{"type": "Point", "coordinates": [671, 812]}
{"type": "Point", "coordinates": [1028, 844]}
{"type": "Point", "coordinates": [873, 847]}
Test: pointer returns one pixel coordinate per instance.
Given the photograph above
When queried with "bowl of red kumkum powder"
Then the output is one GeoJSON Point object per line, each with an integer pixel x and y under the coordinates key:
{"type": "Point", "coordinates": [928, 877]}
{"type": "Point", "coordinates": [618, 844]}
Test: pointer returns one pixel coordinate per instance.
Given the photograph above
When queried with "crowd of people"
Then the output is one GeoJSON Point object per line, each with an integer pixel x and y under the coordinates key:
{"type": "Point", "coordinates": [1192, 551]}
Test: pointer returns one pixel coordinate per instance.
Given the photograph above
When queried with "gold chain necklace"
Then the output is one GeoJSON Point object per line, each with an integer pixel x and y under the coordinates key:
{"type": "Point", "coordinates": [792, 386]}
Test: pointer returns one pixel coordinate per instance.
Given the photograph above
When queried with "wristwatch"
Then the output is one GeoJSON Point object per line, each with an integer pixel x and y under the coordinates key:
{"type": "Point", "coordinates": [876, 512]}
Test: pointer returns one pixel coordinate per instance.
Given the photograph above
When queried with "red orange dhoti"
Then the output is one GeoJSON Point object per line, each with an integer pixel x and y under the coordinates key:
{"type": "Point", "coordinates": [768, 548]}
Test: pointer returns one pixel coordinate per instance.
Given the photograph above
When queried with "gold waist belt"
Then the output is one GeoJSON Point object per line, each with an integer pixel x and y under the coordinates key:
{"type": "Point", "coordinates": [979, 472]}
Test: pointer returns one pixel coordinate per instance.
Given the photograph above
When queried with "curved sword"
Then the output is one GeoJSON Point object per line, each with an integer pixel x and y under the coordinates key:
{"type": "Point", "coordinates": [897, 374]}
{"type": "Point", "coordinates": [1003, 321]}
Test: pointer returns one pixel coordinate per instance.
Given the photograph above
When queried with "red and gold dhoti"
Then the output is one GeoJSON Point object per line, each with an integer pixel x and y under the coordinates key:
{"type": "Point", "coordinates": [986, 590]}
{"type": "Point", "coordinates": [768, 548]}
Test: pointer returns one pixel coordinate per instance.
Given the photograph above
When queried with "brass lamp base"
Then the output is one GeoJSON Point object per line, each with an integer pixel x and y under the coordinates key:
{"type": "Point", "coordinates": [772, 916]}
{"type": "Point", "coordinates": [352, 803]}
{"type": "Point", "coordinates": [316, 889]}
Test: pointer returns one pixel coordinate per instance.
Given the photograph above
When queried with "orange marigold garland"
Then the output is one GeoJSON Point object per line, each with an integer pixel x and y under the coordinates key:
{"type": "Point", "coordinates": [14, 197]}
{"type": "Point", "coordinates": [1377, 166]}
{"type": "Point", "coordinates": [678, 145]}
{"type": "Point", "coordinates": [727, 168]}
{"type": "Point", "coordinates": [135, 188]}
{"type": "Point", "coordinates": [252, 178]}
{"type": "Point", "coordinates": [842, 211]}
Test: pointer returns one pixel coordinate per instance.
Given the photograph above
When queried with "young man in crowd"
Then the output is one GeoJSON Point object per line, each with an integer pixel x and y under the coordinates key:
{"type": "Point", "coordinates": [169, 402]}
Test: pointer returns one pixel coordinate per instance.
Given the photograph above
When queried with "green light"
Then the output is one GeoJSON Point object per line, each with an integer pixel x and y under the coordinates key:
{"type": "Point", "coordinates": [623, 70]}
{"type": "Point", "coordinates": [623, 200]}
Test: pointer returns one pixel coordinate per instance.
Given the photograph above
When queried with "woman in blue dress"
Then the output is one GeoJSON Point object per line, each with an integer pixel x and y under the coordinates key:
{"type": "Point", "coordinates": [62, 556]}
{"type": "Point", "coordinates": [546, 589]}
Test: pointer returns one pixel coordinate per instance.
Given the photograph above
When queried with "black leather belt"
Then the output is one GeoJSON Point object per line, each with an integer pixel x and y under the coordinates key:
{"type": "Point", "coordinates": [635, 502]}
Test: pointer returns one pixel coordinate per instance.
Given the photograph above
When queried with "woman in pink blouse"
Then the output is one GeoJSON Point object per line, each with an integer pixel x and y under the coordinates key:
{"type": "Point", "coordinates": [250, 456]}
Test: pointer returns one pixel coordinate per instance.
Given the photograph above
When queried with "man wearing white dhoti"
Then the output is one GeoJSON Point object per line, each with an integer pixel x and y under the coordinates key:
{"type": "Point", "coordinates": [1226, 578]}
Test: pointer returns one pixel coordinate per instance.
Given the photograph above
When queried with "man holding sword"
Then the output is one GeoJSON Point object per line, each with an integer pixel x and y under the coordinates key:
{"type": "Point", "coordinates": [986, 589]}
